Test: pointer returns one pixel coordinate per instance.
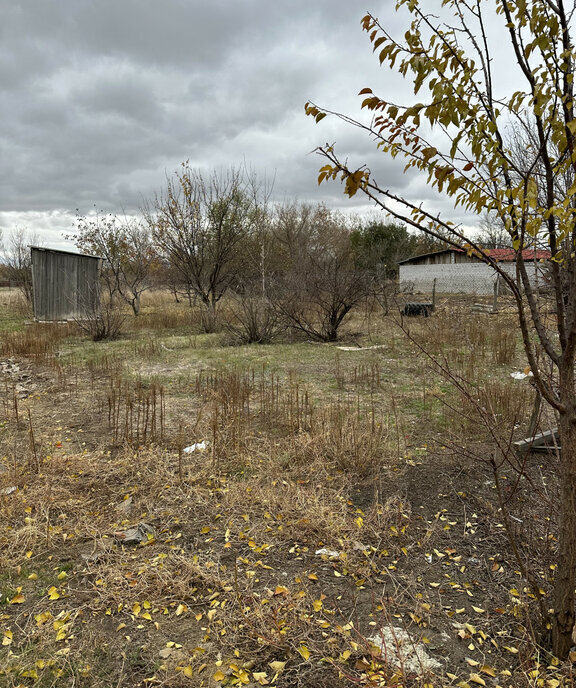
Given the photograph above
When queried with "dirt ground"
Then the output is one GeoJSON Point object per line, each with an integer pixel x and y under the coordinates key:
{"type": "Point", "coordinates": [268, 564]}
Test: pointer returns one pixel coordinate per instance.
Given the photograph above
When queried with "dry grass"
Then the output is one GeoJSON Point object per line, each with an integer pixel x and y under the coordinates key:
{"type": "Point", "coordinates": [308, 448]}
{"type": "Point", "coordinates": [38, 340]}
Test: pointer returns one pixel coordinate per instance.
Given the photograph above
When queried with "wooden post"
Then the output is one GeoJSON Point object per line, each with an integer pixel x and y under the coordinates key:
{"type": "Point", "coordinates": [535, 417]}
{"type": "Point", "coordinates": [495, 297]}
{"type": "Point", "coordinates": [434, 294]}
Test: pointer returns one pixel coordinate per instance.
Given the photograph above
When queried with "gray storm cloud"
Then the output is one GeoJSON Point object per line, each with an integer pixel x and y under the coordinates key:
{"type": "Point", "coordinates": [102, 99]}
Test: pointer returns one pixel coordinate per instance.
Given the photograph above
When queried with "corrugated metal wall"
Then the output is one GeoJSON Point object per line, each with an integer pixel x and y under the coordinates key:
{"type": "Point", "coordinates": [66, 285]}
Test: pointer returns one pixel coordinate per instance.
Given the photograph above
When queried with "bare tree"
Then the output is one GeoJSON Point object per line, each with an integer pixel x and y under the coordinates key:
{"type": "Point", "coordinates": [18, 261]}
{"type": "Point", "coordinates": [320, 284]}
{"type": "Point", "coordinates": [127, 251]}
{"type": "Point", "coordinates": [199, 224]}
{"type": "Point", "coordinates": [492, 233]}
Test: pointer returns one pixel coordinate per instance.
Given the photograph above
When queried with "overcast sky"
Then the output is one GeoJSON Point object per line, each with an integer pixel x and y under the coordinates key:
{"type": "Point", "coordinates": [101, 99]}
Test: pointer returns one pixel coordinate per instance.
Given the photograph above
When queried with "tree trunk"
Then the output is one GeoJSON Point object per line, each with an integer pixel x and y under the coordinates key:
{"type": "Point", "coordinates": [330, 330]}
{"type": "Point", "coordinates": [135, 303]}
{"type": "Point", "coordinates": [565, 575]}
{"type": "Point", "coordinates": [209, 318]}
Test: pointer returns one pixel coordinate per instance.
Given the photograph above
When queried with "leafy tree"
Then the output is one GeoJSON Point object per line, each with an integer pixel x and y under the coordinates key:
{"type": "Point", "coordinates": [378, 247]}
{"type": "Point", "coordinates": [199, 224]}
{"type": "Point", "coordinates": [458, 134]}
{"type": "Point", "coordinates": [127, 251]}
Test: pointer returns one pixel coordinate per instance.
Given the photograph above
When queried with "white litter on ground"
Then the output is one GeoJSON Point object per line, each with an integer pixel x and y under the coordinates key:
{"type": "Point", "coordinates": [399, 649]}
{"type": "Point", "coordinates": [518, 375]}
{"type": "Point", "coordinates": [125, 504]}
{"type": "Point", "coordinates": [135, 535]}
{"type": "Point", "coordinates": [197, 446]}
{"type": "Point", "coordinates": [361, 348]}
{"type": "Point", "coordinates": [330, 553]}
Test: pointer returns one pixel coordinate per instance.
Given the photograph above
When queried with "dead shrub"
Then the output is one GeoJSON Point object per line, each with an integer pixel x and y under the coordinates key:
{"type": "Point", "coordinates": [103, 321]}
{"type": "Point", "coordinates": [254, 320]}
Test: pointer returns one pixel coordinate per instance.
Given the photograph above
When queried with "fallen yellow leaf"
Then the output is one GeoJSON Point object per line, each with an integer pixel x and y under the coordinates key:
{"type": "Point", "coordinates": [277, 666]}
{"type": "Point", "coordinates": [304, 651]}
{"type": "Point", "coordinates": [513, 650]}
{"type": "Point", "coordinates": [42, 618]}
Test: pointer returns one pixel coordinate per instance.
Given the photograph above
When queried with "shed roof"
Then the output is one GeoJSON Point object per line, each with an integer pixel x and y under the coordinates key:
{"type": "Point", "coordinates": [59, 250]}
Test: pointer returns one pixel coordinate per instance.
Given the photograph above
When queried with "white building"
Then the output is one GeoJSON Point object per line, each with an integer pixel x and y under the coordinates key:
{"type": "Point", "coordinates": [457, 272]}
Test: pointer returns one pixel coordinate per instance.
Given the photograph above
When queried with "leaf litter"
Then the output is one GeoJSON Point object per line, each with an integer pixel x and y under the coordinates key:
{"type": "Point", "coordinates": [233, 581]}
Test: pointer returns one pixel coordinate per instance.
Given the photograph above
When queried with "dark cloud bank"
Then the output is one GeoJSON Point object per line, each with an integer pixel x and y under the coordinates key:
{"type": "Point", "coordinates": [102, 99]}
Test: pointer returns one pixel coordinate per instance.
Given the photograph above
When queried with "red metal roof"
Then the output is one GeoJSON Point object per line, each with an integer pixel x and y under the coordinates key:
{"type": "Point", "coordinates": [508, 255]}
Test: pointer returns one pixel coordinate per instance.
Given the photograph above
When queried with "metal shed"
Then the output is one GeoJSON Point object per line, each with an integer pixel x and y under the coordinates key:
{"type": "Point", "coordinates": [65, 284]}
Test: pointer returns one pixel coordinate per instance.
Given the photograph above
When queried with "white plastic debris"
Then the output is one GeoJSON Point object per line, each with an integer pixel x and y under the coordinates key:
{"type": "Point", "coordinates": [125, 504]}
{"type": "Point", "coordinates": [400, 649]}
{"type": "Point", "coordinates": [520, 375]}
{"type": "Point", "coordinates": [330, 553]}
{"type": "Point", "coordinates": [361, 348]}
{"type": "Point", "coordinates": [197, 446]}
{"type": "Point", "coordinates": [4, 492]}
{"type": "Point", "coordinates": [135, 535]}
